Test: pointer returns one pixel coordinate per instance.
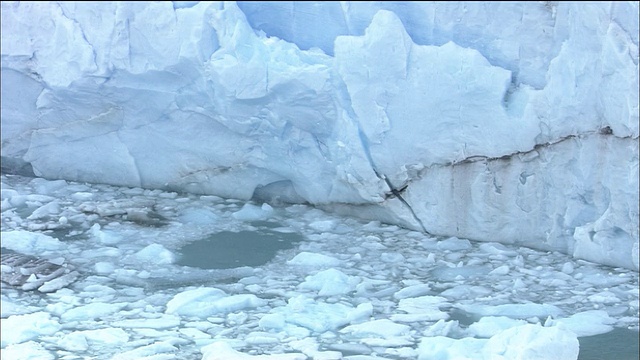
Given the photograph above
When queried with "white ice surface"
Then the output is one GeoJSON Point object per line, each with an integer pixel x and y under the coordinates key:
{"type": "Point", "coordinates": [511, 122]}
{"type": "Point", "coordinates": [367, 289]}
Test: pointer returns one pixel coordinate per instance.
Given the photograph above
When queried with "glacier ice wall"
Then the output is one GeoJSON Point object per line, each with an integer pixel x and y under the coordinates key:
{"type": "Point", "coordinates": [514, 122]}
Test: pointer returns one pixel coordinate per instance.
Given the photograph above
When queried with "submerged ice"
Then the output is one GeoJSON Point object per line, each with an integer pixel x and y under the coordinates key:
{"type": "Point", "coordinates": [511, 122]}
{"type": "Point", "coordinates": [354, 289]}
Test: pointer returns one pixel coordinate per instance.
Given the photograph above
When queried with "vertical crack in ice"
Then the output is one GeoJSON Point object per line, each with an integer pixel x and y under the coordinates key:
{"type": "Point", "coordinates": [365, 146]}
{"type": "Point", "coordinates": [364, 141]}
{"type": "Point", "coordinates": [131, 157]}
{"type": "Point", "coordinates": [397, 194]}
{"type": "Point", "coordinates": [84, 36]}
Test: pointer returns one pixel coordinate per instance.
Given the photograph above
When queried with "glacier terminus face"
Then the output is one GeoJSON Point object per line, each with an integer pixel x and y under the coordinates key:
{"type": "Point", "coordinates": [512, 122]}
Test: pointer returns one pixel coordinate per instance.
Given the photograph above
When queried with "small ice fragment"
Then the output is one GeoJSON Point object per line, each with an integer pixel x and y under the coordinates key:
{"type": "Point", "coordinates": [489, 326]}
{"type": "Point", "coordinates": [313, 260]}
{"type": "Point", "coordinates": [222, 350]}
{"type": "Point", "coordinates": [587, 323]}
{"type": "Point", "coordinates": [251, 212]}
{"type": "Point", "coordinates": [567, 268]}
{"type": "Point", "coordinates": [502, 270]}
{"type": "Point", "coordinates": [382, 328]}
{"type": "Point", "coordinates": [330, 282]}
{"type": "Point", "coordinates": [412, 291]}
{"type": "Point", "coordinates": [104, 268]}
{"type": "Point", "coordinates": [157, 254]}
{"type": "Point", "coordinates": [322, 225]}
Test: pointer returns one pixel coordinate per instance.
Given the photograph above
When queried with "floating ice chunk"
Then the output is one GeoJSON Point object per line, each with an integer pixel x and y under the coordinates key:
{"type": "Point", "coordinates": [465, 291]}
{"type": "Point", "coordinates": [103, 236]}
{"type": "Point", "coordinates": [20, 328]}
{"type": "Point", "coordinates": [194, 333]}
{"type": "Point", "coordinates": [36, 198]}
{"type": "Point", "coordinates": [442, 328]}
{"type": "Point", "coordinates": [107, 336]}
{"type": "Point", "coordinates": [497, 249]}
{"type": "Point", "coordinates": [97, 290]}
{"type": "Point", "coordinates": [444, 348]}
{"type": "Point", "coordinates": [82, 196]}
{"type": "Point", "coordinates": [533, 342]}
{"type": "Point", "coordinates": [185, 299]}
{"type": "Point", "coordinates": [599, 279]}
{"type": "Point", "coordinates": [382, 328]}
{"type": "Point", "coordinates": [309, 347]}
{"type": "Point", "coordinates": [14, 307]}
{"type": "Point", "coordinates": [91, 311]}
{"type": "Point", "coordinates": [6, 205]}
{"type": "Point", "coordinates": [47, 187]}
{"type": "Point", "coordinates": [238, 302]}
{"type": "Point", "coordinates": [454, 244]}
{"type": "Point", "coordinates": [447, 273]}
{"type": "Point", "coordinates": [361, 313]}
{"type": "Point", "coordinates": [605, 297]}
{"type": "Point", "coordinates": [588, 323]}
{"type": "Point", "coordinates": [315, 315]}
{"type": "Point", "coordinates": [205, 302]}
{"type": "Point", "coordinates": [45, 210]}
{"type": "Point", "coordinates": [372, 242]}
{"type": "Point", "coordinates": [421, 303]}
{"type": "Point", "coordinates": [251, 212]}
{"type": "Point", "coordinates": [567, 268]}
{"type": "Point", "coordinates": [59, 282]}
{"type": "Point", "coordinates": [382, 332]}
{"type": "Point", "coordinates": [515, 311]}
{"type": "Point", "coordinates": [29, 243]}
{"type": "Point", "coordinates": [323, 225]}
{"type": "Point", "coordinates": [151, 351]}
{"type": "Point", "coordinates": [272, 321]}
{"type": "Point", "coordinates": [198, 216]}
{"type": "Point", "coordinates": [330, 282]}
{"type": "Point", "coordinates": [74, 341]}
{"type": "Point", "coordinates": [313, 260]}
{"type": "Point", "coordinates": [81, 340]}
{"type": "Point", "coordinates": [157, 254]}
{"type": "Point", "coordinates": [261, 338]}
{"type": "Point", "coordinates": [104, 268]}
{"type": "Point", "coordinates": [412, 291]}
{"type": "Point", "coordinates": [389, 342]}
{"type": "Point", "coordinates": [29, 350]}
{"type": "Point", "coordinates": [163, 322]}
{"type": "Point", "coordinates": [422, 308]}
{"type": "Point", "coordinates": [489, 326]}
{"type": "Point", "coordinates": [7, 193]}
{"type": "Point", "coordinates": [392, 257]}
{"type": "Point", "coordinates": [501, 270]}
{"type": "Point", "coordinates": [221, 350]}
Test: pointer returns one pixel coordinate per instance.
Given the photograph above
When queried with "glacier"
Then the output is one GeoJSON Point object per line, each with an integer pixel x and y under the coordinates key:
{"type": "Point", "coordinates": [510, 122]}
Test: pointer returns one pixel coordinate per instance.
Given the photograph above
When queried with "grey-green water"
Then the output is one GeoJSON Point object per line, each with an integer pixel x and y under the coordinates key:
{"type": "Point", "coordinates": [226, 249]}
{"type": "Point", "coordinates": [619, 344]}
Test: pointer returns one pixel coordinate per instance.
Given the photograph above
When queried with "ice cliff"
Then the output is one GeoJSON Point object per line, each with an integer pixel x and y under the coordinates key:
{"type": "Point", "coordinates": [515, 122]}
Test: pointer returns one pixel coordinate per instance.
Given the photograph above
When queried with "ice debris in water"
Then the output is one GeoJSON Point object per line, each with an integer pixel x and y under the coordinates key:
{"type": "Point", "coordinates": [347, 288]}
